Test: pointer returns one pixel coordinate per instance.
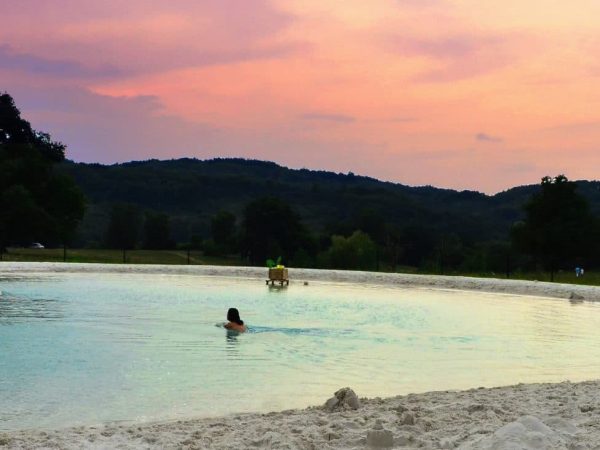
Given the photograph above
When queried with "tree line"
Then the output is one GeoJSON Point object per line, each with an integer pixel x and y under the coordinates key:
{"type": "Point", "coordinates": [558, 232]}
{"type": "Point", "coordinates": [346, 221]}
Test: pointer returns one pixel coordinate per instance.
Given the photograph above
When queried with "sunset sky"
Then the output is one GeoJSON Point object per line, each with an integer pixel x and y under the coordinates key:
{"type": "Point", "coordinates": [465, 94]}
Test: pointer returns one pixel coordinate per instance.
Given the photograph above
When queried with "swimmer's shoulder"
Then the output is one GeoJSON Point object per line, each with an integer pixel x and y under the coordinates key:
{"type": "Point", "coordinates": [235, 327]}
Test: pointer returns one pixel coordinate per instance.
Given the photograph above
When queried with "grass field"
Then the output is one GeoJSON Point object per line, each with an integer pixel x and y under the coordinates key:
{"type": "Point", "coordinates": [86, 255]}
{"type": "Point", "coordinates": [590, 278]}
{"type": "Point", "coordinates": [106, 256]}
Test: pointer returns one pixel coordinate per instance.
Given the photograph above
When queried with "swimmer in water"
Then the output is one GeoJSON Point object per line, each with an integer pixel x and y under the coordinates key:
{"type": "Point", "coordinates": [235, 323]}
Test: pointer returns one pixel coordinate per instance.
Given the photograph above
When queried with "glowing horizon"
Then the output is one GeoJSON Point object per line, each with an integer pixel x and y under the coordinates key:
{"type": "Point", "coordinates": [450, 93]}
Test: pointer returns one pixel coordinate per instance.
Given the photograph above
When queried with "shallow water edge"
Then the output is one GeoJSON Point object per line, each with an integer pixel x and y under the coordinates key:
{"type": "Point", "coordinates": [495, 285]}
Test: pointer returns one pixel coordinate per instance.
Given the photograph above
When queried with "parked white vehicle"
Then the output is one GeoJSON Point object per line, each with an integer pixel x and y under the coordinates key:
{"type": "Point", "coordinates": [36, 245]}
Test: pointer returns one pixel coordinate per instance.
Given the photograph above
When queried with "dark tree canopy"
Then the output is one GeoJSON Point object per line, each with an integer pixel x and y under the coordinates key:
{"type": "Point", "coordinates": [66, 205]}
{"type": "Point", "coordinates": [328, 203]}
{"type": "Point", "coordinates": [223, 231]}
{"type": "Point", "coordinates": [21, 218]}
{"type": "Point", "coordinates": [35, 202]}
{"type": "Point", "coordinates": [271, 229]}
{"type": "Point", "coordinates": [355, 252]}
{"type": "Point", "coordinates": [124, 227]}
{"type": "Point", "coordinates": [157, 234]}
{"type": "Point", "coordinates": [18, 134]}
{"type": "Point", "coordinates": [558, 227]}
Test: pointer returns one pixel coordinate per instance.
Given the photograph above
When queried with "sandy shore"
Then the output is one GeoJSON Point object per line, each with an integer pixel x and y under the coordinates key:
{"type": "Point", "coordinates": [520, 287]}
{"type": "Point", "coordinates": [537, 416]}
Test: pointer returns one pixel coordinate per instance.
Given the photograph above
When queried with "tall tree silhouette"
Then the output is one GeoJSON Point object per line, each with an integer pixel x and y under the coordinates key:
{"type": "Point", "coordinates": [157, 231]}
{"type": "Point", "coordinates": [67, 206]}
{"type": "Point", "coordinates": [124, 228]}
{"type": "Point", "coordinates": [270, 229]}
{"type": "Point", "coordinates": [223, 231]}
{"type": "Point", "coordinates": [36, 203]}
{"type": "Point", "coordinates": [558, 227]}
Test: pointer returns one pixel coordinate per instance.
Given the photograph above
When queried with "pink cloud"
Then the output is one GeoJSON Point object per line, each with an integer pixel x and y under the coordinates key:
{"type": "Point", "coordinates": [134, 37]}
{"type": "Point", "coordinates": [410, 91]}
{"type": "Point", "coordinates": [99, 128]}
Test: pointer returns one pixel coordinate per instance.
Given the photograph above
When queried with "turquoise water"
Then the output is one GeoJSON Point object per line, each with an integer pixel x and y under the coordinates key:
{"type": "Point", "coordinates": [90, 348]}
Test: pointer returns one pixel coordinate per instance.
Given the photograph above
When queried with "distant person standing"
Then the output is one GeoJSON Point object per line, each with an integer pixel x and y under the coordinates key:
{"type": "Point", "coordinates": [577, 271]}
{"type": "Point", "coordinates": [581, 272]}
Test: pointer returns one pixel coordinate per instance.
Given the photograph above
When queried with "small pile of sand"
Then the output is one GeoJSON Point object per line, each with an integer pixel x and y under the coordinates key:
{"type": "Point", "coordinates": [342, 400]}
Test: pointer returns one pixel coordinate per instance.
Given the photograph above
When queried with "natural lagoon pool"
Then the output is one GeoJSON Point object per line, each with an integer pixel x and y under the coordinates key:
{"type": "Point", "coordinates": [86, 348]}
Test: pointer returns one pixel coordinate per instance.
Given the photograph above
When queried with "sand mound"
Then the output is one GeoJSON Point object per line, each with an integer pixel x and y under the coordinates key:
{"type": "Point", "coordinates": [523, 417]}
{"type": "Point", "coordinates": [526, 433]}
{"type": "Point", "coordinates": [344, 399]}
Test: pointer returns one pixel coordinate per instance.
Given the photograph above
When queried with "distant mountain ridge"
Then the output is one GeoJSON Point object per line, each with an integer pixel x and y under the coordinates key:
{"type": "Point", "coordinates": [191, 191]}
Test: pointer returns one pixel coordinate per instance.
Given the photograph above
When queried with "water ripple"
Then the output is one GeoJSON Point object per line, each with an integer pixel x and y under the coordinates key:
{"type": "Point", "coordinates": [88, 348]}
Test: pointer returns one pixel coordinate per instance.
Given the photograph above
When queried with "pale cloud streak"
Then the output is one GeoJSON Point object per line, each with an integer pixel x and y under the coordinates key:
{"type": "Point", "coordinates": [459, 56]}
{"type": "Point", "coordinates": [340, 118]}
{"type": "Point", "coordinates": [48, 67]}
{"type": "Point", "coordinates": [140, 38]}
{"type": "Point", "coordinates": [484, 137]}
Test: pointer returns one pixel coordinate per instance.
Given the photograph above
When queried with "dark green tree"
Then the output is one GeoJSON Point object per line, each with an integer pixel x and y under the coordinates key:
{"type": "Point", "coordinates": [36, 203]}
{"type": "Point", "coordinates": [372, 222]}
{"type": "Point", "coordinates": [223, 232]}
{"type": "Point", "coordinates": [392, 249]}
{"type": "Point", "coordinates": [418, 244]}
{"type": "Point", "coordinates": [66, 206]}
{"type": "Point", "coordinates": [270, 229]}
{"type": "Point", "coordinates": [157, 231]}
{"type": "Point", "coordinates": [355, 252]}
{"type": "Point", "coordinates": [449, 251]}
{"type": "Point", "coordinates": [123, 228]}
{"type": "Point", "coordinates": [21, 218]}
{"type": "Point", "coordinates": [558, 227]}
{"type": "Point", "coordinates": [495, 257]}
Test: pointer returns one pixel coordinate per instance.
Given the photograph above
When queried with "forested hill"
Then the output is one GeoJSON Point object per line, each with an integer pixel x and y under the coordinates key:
{"type": "Point", "coordinates": [191, 191]}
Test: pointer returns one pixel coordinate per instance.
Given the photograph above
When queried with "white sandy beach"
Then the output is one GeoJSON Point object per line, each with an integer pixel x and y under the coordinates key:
{"type": "Point", "coordinates": [536, 416]}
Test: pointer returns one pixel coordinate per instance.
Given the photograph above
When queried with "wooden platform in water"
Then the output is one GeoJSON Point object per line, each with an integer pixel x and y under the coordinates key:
{"type": "Point", "coordinates": [278, 275]}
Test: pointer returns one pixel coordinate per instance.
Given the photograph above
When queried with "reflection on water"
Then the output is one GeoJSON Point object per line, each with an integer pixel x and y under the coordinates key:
{"type": "Point", "coordinates": [232, 336]}
{"type": "Point", "coordinates": [14, 309]}
{"type": "Point", "coordinates": [300, 331]}
{"type": "Point", "coordinates": [277, 288]}
{"type": "Point", "coordinates": [88, 348]}
{"type": "Point", "coordinates": [232, 344]}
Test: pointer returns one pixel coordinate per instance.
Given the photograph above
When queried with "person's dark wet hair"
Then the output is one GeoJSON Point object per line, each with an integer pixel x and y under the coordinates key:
{"type": "Point", "coordinates": [233, 315]}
